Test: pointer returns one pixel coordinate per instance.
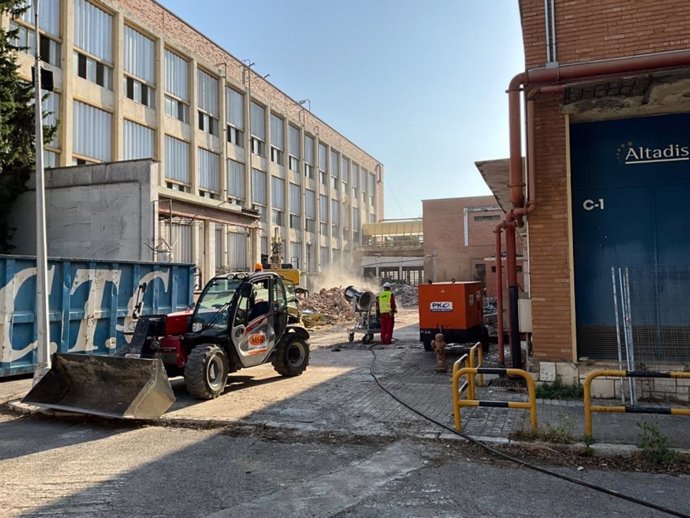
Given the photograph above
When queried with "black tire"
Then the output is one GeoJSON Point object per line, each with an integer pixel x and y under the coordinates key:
{"type": "Point", "coordinates": [427, 344]}
{"type": "Point", "coordinates": [292, 358]}
{"type": "Point", "coordinates": [367, 338]}
{"type": "Point", "coordinates": [206, 371]}
{"type": "Point", "coordinates": [351, 337]}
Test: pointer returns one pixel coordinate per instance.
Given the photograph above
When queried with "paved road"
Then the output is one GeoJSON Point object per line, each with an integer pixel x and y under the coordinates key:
{"type": "Point", "coordinates": [330, 443]}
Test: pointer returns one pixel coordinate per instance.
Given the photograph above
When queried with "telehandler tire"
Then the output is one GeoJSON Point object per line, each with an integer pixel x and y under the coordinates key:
{"type": "Point", "coordinates": [206, 371]}
{"type": "Point", "coordinates": [292, 358]}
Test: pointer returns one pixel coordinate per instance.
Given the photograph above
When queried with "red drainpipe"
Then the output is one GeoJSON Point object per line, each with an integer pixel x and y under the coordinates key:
{"type": "Point", "coordinates": [550, 80]}
{"type": "Point", "coordinates": [499, 293]}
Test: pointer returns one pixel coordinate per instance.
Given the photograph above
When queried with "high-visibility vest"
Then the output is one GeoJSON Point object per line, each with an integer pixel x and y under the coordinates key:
{"type": "Point", "coordinates": [385, 301]}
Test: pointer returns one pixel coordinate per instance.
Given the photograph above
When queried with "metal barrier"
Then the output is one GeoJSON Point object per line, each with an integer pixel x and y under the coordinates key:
{"type": "Point", "coordinates": [589, 408]}
{"type": "Point", "coordinates": [470, 372]}
{"type": "Point", "coordinates": [469, 361]}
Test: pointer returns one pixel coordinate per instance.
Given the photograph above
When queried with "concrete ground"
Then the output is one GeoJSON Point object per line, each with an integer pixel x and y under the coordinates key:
{"type": "Point", "coordinates": [338, 394]}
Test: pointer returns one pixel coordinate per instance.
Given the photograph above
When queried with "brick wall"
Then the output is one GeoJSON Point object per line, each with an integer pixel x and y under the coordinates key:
{"type": "Point", "coordinates": [587, 30]}
{"type": "Point", "coordinates": [444, 237]}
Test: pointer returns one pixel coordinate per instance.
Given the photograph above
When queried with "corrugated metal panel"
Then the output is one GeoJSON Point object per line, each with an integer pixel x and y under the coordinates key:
{"type": "Point", "coordinates": [309, 149]}
{"type": "Point", "coordinates": [236, 187]}
{"type": "Point", "coordinates": [258, 121]}
{"type": "Point", "coordinates": [182, 242]}
{"type": "Point", "coordinates": [209, 170]}
{"type": "Point", "coordinates": [237, 250]}
{"type": "Point", "coordinates": [411, 227]}
{"type": "Point", "coordinates": [176, 75]}
{"type": "Point", "coordinates": [49, 16]}
{"type": "Point", "coordinates": [293, 141]}
{"type": "Point", "coordinates": [177, 160]}
{"type": "Point", "coordinates": [207, 91]}
{"type": "Point", "coordinates": [278, 193]}
{"type": "Point", "coordinates": [139, 55]}
{"type": "Point", "coordinates": [51, 108]}
{"type": "Point", "coordinates": [92, 130]}
{"type": "Point", "coordinates": [138, 141]}
{"type": "Point", "coordinates": [235, 107]}
{"type": "Point", "coordinates": [277, 132]}
{"type": "Point", "coordinates": [93, 30]}
{"type": "Point", "coordinates": [90, 304]}
{"type": "Point", "coordinates": [295, 205]}
{"type": "Point", "coordinates": [258, 187]}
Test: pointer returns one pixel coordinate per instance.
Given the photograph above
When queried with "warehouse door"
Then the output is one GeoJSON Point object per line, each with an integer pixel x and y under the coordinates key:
{"type": "Point", "coordinates": [631, 209]}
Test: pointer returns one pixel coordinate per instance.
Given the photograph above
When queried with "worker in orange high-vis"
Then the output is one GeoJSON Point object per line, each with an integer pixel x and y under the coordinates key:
{"type": "Point", "coordinates": [258, 267]}
{"type": "Point", "coordinates": [386, 310]}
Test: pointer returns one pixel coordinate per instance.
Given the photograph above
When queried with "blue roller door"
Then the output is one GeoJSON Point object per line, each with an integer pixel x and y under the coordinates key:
{"type": "Point", "coordinates": [631, 208]}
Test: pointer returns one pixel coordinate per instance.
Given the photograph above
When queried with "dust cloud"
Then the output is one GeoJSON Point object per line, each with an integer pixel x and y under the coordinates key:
{"type": "Point", "coordinates": [334, 277]}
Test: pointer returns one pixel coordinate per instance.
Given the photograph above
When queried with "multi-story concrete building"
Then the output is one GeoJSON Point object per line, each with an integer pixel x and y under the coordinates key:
{"type": "Point", "coordinates": [238, 157]}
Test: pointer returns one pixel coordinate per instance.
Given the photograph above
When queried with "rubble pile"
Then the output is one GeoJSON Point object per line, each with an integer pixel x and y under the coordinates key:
{"type": "Point", "coordinates": [406, 295]}
{"type": "Point", "coordinates": [327, 306]}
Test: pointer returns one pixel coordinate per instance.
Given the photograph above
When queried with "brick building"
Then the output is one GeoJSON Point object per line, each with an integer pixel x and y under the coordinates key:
{"type": "Point", "coordinates": [607, 178]}
{"type": "Point", "coordinates": [459, 239]}
{"type": "Point", "coordinates": [238, 157]}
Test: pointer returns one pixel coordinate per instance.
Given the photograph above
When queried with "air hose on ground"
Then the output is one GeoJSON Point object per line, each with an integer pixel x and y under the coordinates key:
{"type": "Point", "coordinates": [516, 460]}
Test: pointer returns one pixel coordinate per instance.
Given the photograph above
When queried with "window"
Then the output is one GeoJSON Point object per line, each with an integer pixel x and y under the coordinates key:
{"type": "Point", "coordinates": [309, 156]}
{"type": "Point", "coordinates": [356, 226]}
{"type": "Point", "coordinates": [138, 141]}
{"type": "Point", "coordinates": [323, 164]}
{"type": "Point", "coordinates": [207, 102]}
{"type": "Point", "coordinates": [51, 109]}
{"type": "Point", "coordinates": [310, 210]}
{"type": "Point", "coordinates": [296, 254]}
{"type": "Point", "coordinates": [335, 215]}
{"type": "Point", "coordinates": [25, 40]}
{"type": "Point", "coordinates": [363, 183]}
{"type": "Point", "coordinates": [335, 169]}
{"type": "Point", "coordinates": [372, 189]}
{"type": "Point", "coordinates": [323, 255]}
{"type": "Point", "coordinates": [278, 200]}
{"type": "Point", "coordinates": [177, 164]}
{"type": "Point", "coordinates": [258, 127]}
{"type": "Point", "coordinates": [93, 44]}
{"type": "Point", "coordinates": [235, 115]}
{"type": "Point", "coordinates": [295, 206]}
{"type": "Point", "coordinates": [293, 148]}
{"type": "Point", "coordinates": [259, 190]}
{"type": "Point", "coordinates": [346, 174]}
{"type": "Point", "coordinates": [236, 184]}
{"type": "Point", "coordinates": [139, 67]}
{"type": "Point", "coordinates": [492, 217]}
{"type": "Point", "coordinates": [91, 132]}
{"type": "Point", "coordinates": [49, 16]}
{"type": "Point", "coordinates": [176, 87]}
{"type": "Point", "coordinates": [323, 214]}
{"type": "Point", "coordinates": [277, 140]}
{"type": "Point", "coordinates": [355, 180]}
{"type": "Point", "coordinates": [209, 173]}
{"type": "Point", "coordinates": [237, 250]}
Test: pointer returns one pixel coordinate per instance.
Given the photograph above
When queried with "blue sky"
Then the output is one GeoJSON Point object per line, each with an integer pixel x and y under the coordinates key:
{"type": "Point", "coordinates": [418, 84]}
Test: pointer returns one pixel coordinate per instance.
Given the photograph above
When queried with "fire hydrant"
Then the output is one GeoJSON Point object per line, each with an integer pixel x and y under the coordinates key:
{"type": "Point", "coordinates": [440, 348]}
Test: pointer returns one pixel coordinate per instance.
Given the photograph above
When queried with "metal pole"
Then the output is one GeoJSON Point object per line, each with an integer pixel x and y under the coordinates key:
{"type": "Point", "coordinates": [631, 352]}
{"type": "Point", "coordinates": [618, 331]}
{"type": "Point", "coordinates": [42, 364]}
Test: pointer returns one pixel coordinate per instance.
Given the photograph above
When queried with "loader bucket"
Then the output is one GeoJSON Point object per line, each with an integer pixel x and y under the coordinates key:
{"type": "Point", "coordinates": [109, 386]}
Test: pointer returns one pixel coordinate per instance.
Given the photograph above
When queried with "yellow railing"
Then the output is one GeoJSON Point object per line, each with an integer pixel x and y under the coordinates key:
{"type": "Point", "coordinates": [589, 408]}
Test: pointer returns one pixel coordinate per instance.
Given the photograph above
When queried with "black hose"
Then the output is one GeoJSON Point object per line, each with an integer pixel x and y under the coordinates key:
{"type": "Point", "coordinates": [521, 462]}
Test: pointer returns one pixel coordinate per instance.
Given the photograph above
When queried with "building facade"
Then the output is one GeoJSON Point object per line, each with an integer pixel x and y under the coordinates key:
{"type": "Point", "coordinates": [238, 158]}
{"type": "Point", "coordinates": [607, 181]}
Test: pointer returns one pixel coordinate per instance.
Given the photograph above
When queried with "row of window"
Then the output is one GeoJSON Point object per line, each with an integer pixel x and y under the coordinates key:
{"type": "Point", "coordinates": [92, 61]}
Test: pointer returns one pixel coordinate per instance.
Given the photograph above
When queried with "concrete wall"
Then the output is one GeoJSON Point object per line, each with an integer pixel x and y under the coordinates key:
{"type": "Point", "coordinates": [103, 211]}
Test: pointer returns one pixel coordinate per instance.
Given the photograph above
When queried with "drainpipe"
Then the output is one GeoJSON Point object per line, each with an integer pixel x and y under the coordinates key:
{"type": "Point", "coordinates": [550, 80]}
{"type": "Point", "coordinates": [499, 293]}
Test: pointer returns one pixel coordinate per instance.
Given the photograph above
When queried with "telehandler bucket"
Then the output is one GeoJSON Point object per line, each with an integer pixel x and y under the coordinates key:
{"type": "Point", "coordinates": [111, 386]}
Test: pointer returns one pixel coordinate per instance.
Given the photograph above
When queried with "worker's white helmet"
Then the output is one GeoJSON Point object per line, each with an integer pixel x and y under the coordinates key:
{"type": "Point", "coordinates": [386, 284]}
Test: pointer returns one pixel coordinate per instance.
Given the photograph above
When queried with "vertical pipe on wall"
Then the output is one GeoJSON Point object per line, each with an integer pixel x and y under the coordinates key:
{"type": "Point", "coordinates": [553, 32]}
{"type": "Point", "coordinates": [499, 293]}
{"type": "Point", "coordinates": [548, 34]}
{"type": "Point", "coordinates": [511, 260]}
